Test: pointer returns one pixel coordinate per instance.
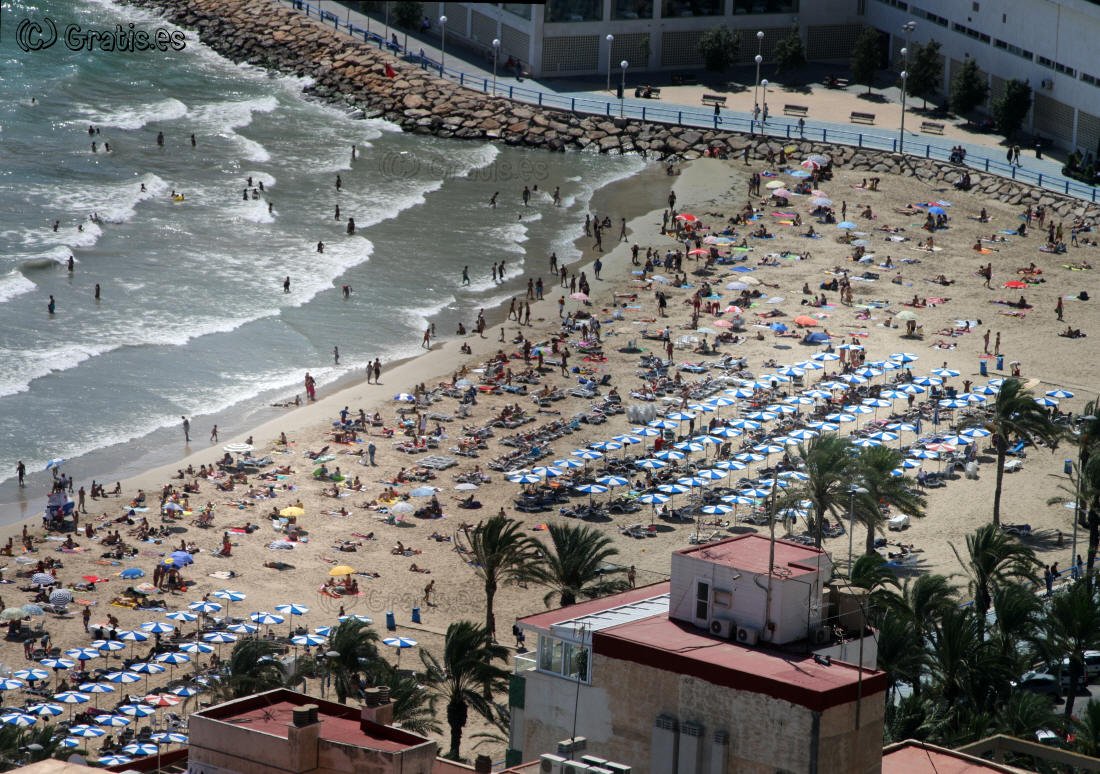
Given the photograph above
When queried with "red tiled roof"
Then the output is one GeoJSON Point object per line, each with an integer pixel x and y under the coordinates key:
{"type": "Point", "coordinates": [750, 552]}
{"type": "Point", "coordinates": [663, 643]}
{"type": "Point", "coordinates": [912, 757]}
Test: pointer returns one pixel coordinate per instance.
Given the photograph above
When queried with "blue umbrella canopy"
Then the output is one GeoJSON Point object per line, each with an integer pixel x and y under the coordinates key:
{"type": "Point", "coordinates": [122, 678]}
{"type": "Point", "coordinates": [86, 731]}
{"type": "Point", "coordinates": [399, 642]}
{"type": "Point", "coordinates": [203, 606]}
{"type": "Point", "coordinates": [131, 573]}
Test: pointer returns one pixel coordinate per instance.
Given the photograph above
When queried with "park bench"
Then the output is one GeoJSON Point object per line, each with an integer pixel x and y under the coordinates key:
{"type": "Point", "coordinates": [647, 92]}
{"type": "Point", "coordinates": [931, 127]}
{"type": "Point", "coordinates": [714, 99]}
{"type": "Point", "coordinates": [796, 110]}
{"type": "Point", "coordinates": [862, 118]}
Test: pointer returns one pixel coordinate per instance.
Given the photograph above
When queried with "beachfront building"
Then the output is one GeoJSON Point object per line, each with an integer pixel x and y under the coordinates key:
{"type": "Point", "coordinates": [730, 666]}
{"type": "Point", "coordinates": [570, 37]}
{"type": "Point", "coordinates": [1045, 43]}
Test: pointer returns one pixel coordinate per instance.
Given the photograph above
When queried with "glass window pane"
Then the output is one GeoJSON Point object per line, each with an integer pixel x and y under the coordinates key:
{"type": "Point", "coordinates": [674, 9]}
{"type": "Point", "coordinates": [519, 9]}
{"type": "Point", "coordinates": [574, 10]}
{"type": "Point", "coordinates": [632, 9]}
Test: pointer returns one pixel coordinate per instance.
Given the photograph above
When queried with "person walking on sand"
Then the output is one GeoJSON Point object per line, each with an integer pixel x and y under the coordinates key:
{"type": "Point", "coordinates": [997, 344]}
{"type": "Point", "coordinates": [377, 371]}
{"type": "Point", "coordinates": [214, 435]}
{"type": "Point", "coordinates": [597, 267]}
{"type": "Point", "coordinates": [427, 341]}
{"type": "Point", "coordinates": [622, 231]}
{"type": "Point", "coordinates": [371, 449]}
{"type": "Point", "coordinates": [985, 342]}
{"type": "Point", "coordinates": [186, 430]}
{"type": "Point", "coordinates": [1058, 309]}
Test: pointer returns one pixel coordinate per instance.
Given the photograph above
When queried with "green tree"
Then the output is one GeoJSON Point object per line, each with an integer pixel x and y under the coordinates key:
{"type": "Point", "coordinates": [355, 644]}
{"type": "Point", "coordinates": [1015, 416]}
{"type": "Point", "coordinates": [413, 707]}
{"type": "Point", "coordinates": [254, 667]}
{"type": "Point", "coordinates": [827, 460]}
{"type": "Point", "coordinates": [919, 604]}
{"type": "Point", "coordinates": [461, 677]}
{"type": "Point", "coordinates": [968, 88]}
{"type": "Point", "coordinates": [719, 47]}
{"type": "Point", "coordinates": [1018, 617]}
{"type": "Point", "coordinates": [16, 745]}
{"type": "Point", "coordinates": [994, 559]}
{"type": "Point", "coordinates": [1072, 627]}
{"type": "Point", "coordinates": [572, 566]}
{"type": "Point", "coordinates": [1010, 109]}
{"type": "Point", "coordinates": [874, 474]}
{"type": "Point", "coordinates": [1087, 730]}
{"type": "Point", "coordinates": [408, 14]}
{"type": "Point", "coordinates": [789, 53]}
{"type": "Point", "coordinates": [501, 553]}
{"type": "Point", "coordinates": [925, 70]}
{"type": "Point", "coordinates": [865, 58]}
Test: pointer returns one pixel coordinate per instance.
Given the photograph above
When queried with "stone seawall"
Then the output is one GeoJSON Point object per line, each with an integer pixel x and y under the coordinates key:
{"type": "Point", "coordinates": [353, 73]}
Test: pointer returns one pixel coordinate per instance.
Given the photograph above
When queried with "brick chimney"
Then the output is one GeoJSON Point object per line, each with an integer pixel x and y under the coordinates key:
{"type": "Point", "coordinates": [302, 737]}
{"type": "Point", "coordinates": [377, 706]}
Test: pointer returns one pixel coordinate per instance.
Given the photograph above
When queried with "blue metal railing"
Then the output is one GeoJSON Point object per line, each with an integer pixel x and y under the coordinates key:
{"type": "Point", "coordinates": [679, 115]}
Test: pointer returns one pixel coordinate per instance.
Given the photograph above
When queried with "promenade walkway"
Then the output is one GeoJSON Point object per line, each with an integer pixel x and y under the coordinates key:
{"type": "Point", "coordinates": [681, 105]}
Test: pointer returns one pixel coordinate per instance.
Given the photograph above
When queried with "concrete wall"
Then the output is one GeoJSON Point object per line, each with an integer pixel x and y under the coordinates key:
{"type": "Point", "coordinates": [630, 698]}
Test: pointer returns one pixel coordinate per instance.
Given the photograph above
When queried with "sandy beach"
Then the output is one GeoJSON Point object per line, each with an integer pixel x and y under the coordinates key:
{"type": "Point", "coordinates": [357, 527]}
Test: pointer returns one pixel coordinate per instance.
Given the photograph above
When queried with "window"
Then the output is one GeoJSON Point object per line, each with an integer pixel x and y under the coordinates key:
{"type": "Point", "coordinates": [975, 7]}
{"type": "Point", "coordinates": [550, 654]}
{"type": "Point", "coordinates": [521, 10]}
{"type": "Point", "coordinates": [1090, 79]}
{"type": "Point", "coordinates": [632, 9]}
{"type": "Point", "coordinates": [1059, 67]}
{"type": "Point", "coordinates": [1043, 61]}
{"type": "Point", "coordinates": [674, 9]}
{"type": "Point", "coordinates": [763, 6]}
{"type": "Point", "coordinates": [702, 601]}
{"type": "Point", "coordinates": [564, 659]}
{"type": "Point", "coordinates": [574, 10]}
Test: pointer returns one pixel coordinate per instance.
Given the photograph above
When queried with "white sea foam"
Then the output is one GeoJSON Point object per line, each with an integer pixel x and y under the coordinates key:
{"type": "Point", "coordinates": [136, 117]}
{"type": "Point", "coordinates": [14, 284]}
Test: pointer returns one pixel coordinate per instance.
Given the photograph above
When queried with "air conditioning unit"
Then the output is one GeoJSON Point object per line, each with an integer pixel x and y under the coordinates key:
{"type": "Point", "coordinates": [1048, 83]}
{"type": "Point", "coordinates": [747, 636]}
{"type": "Point", "coordinates": [722, 627]}
{"type": "Point", "coordinates": [571, 746]}
{"type": "Point", "coordinates": [821, 636]}
{"type": "Point", "coordinates": [551, 764]}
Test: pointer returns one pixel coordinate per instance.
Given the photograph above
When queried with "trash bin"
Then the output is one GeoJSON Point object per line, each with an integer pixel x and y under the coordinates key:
{"type": "Point", "coordinates": [1067, 467]}
{"type": "Point", "coordinates": [391, 622]}
{"type": "Point", "coordinates": [1000, 362]}
{"type": "Point", "coordinates": [982, 368]}
{"type": "Point", "coordinates": [416, 615]}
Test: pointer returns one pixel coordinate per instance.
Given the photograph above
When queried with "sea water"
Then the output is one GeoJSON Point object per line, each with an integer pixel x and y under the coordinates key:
{"type": "Point", "coordinates": [192, 318]}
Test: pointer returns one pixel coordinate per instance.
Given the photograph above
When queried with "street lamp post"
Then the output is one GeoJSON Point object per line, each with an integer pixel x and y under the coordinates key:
{"type": "Point", "coordinates": [853, 490]}
{"type": "Point", "coordinates": [496, 56]}
{"type": "Point", "coordinates": [442, 44]}
{"type": "Point", "coordinates": [610, 39]}
{"type": "Point", "coordinates": [764, 106]}
{"type": "Point", "coordinates": [907, 28]}
{"type": "Point", "coordinates": [758, 59]}
{"type": "Point", "coordinates": [622, 86]}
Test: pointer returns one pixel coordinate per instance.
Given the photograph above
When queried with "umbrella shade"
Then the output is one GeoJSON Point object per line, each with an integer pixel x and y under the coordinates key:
{"type": "Point", "coordinates": [292, 511]}
{"type": "Point", "coordinates": [738, 499]}
{"type": "Point", "coordinates": [1059, 394]}
{"type": "Point", "coordinates": [292, 608]}
{"type": "Point", "coordinates": [147, 668]}
{"type": "Point", "coordinates": [465, 487]}
{"type": "Point", "coordinates": [399, 642]}
{"type": "Point", "coordinates": [613, 481]}
{"type": "Point", "coordinates": [863, 443]}
{"type": "Point", "coordinates": [341, 570]}
{"type": "Point", "coordinates": [196, 647]}
{"type": "Point", "coordinates": [754, 492]}
{"type": "Point", "coordinates": [83, 654]}
{"type": "Point", "coordinates": [161, 700]}
{"type": "Point", "coordinates": [11, 684]}
{"type": "Point", "coordinates": [130, 573]}
{"type": "Point", "coordinates": [691, 481]}
{"type": "Point", "coordinates": [43, 579]}
{"type": "Point", "coordinates": [674, 489]}
{"type": "Point", "coordinates": [203, 606]}
{"type": "Point", "coordinates": [183, 691]}
{"type": "Point", "coordinates": [174, 659]}
{"type": "Point", "coordinates": [13, 614]}
{"type": "Point", "coordinates": [169, 737]}
{"type": "Point", "coordinates": [19, 719]}
{"type": "Point", "coordinates": [131, 636]}
{"type": "Point", "coordinates": [71, 697]}
{"type": "Point", "coordinates": [45, 710]}
{"type": "Point", "coordinates": [243, 628]}
{"type": "Point", "coordinates": [650, 464]}
{"type": "Point", "coordinates": [31, 675]}
{"type": "Point", "coordinates": [181, 558]}
{"type": "Point", "coordinates": [114, 760]}
{"type": "Point", "coordinates": [308, 640]}
{"type": "Point", "coordinates": [525, 478]}
{"type": "Point", "coordinates": [749, 457]}
{"type": "Point", "coordinates": [156, 627]}
{"type": "Point", "coordinates": [96, 688]}
{"type": "Point", "coordinates": [219, 638]}
{"type": "Point", "coordinates": [774, 184]}
{"type": "Point", "coordinates": [689, 446]}
{"type": "Point", "coordinates": [970, 432]}
{"type": "Point", "coordinates": [546, 471]}
{"type": "Point", "coordinates": [803, 321]}
{"type": "Point", "coordinates": [904, 357]}
{"type": "Point", "coordinates": [729, 465]}
{"type": "Point", "coordinates": [646, 432]}
{"type": "Point", "coordinates": [230, 596]}
{"type": "Point", "coordinates": [884, 435]}
{"type": "Point", "coordinates": [113, 721]}
{"type": "Point", "coordinates": [726, 432]}
{"type": "Point", "coordinates": [86, 732]}
{"type": "Point", "coordinates": [606, 446]}
{"type": "Point", "coordinates": [183, 616]}
{"type": "Point", "coordinates": [402, 508]}
{"type": "Point", "coordinates": [586, 454]}
{"type": "Point", "coordinates": [61, 597]}
{"type": "Point", "coordinates": [58, 663]}
{"type": "Point", "coordinates": [122, 678]}
{"type": "Point", "coordinates": [423, 491]}
{"type": "Point", "coordinates": [945, 372]}
{"type": "Point", "coordinates": [710, 475]}
{"type": "Point", "coordinates": [923, 454]}
{"type": "Point", "coordinates": [591, 488]}
{"type": "Point", "coordinates": [137, 711]}
{"type": "Point", "coordinates": [669, 454]}
{"type": "Point", "coordinates": [267, 619]}
{"type": "Point", "coordinates": [653, 498]}
{"type": "Point", "coordinates": [716, 509]}
{"type": "Point", "coordinates": [173, 507]}
{"type": "Point", "coordinates": [663, 424]}
{"type": "Point", "coordinates": [1044, 401]}
{"type": "Point", "coordinates": [802, 434]}
{"type": "Point", "coordinates": [356, 617]}
{"type": "Point", "coordinates": [55, 463]}
{"type": "Point", "coordinates": [568, 464]}
{"type": "Point", "coordinates": [847, 225]}
{"type": "Point", "coordinates": [140, 749]}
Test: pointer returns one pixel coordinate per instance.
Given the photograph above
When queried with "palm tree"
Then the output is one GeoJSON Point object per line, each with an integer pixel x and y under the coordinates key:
{"type": "Point", "coordinates": [874, 466]}
{"type": "Point", "coordinates": [994, 559]}
{"type": "Point", "coordinates": [1072, 627]}
{"type": "Point", "coordinates": [355, 646]}
{"type": "Point", "coordinates": [920, 604]}
{"type": "Point", "coordinates": [413, 707]}
{"type": "Point", "coordinates": [459, 680]}
{"type": "Point", "coordinates": [1087, 730]}
{"type": "Point", "coordinates": [500, 553]}
{"type": "Point", "coordinates": [1018, 615]}
{"type": "Point", "coordinates": [572, 566]}
{"type": "Point", "coordinates": [21, 746]}
{"type": "Point", "coordinates": [1015, 416]}
{"type": "Point", "coordinates": [827, 460]}
{"type": "Point", "coordinates": [254, 667]}
{"type": "Point", "coordinates": [871, 573]}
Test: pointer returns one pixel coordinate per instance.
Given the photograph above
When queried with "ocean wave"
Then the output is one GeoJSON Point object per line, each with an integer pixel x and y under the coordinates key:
{"type": "Point", "coordinates": [137, 117]}
{"type": "Point", "coordinates": [23, 366]}
{"type": "Point", "coordinates": [255, 210]}
{"type": "Point", "coordinates": [124, 198]}
{"type": "Point", "coordinates": [230, 114]}
{"type": "Point", "coordinates": [14, 284]}
{"type": "Point", "coordinates": [58, 255]}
